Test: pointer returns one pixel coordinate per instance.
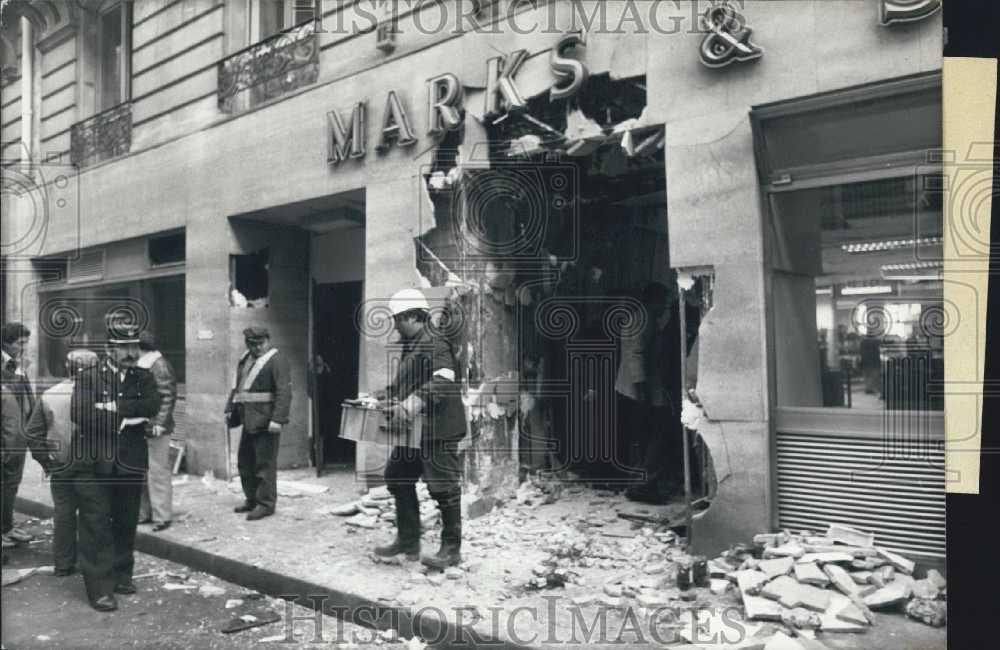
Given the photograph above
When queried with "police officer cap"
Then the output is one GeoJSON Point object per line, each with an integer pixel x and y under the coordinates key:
{"type": "Point", "coordinates": [256, 333]}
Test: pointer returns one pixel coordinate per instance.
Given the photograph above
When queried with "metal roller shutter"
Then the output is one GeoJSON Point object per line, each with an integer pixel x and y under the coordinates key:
{"type": "Point", "coordinates": [895, 492]}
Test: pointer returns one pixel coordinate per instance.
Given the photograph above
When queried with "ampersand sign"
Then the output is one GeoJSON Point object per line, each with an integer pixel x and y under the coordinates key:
{"type": "Point", "coordinates": [728, 37]}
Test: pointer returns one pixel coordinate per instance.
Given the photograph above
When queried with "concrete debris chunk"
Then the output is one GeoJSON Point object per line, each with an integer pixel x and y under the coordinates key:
{"type": "Point", "coordinates": [791, 594]}
{"type": "Point", "coordinates": [850, 536]}
{"type": "Point", "coordinates": [929, 612]}
{"type": "Point", "coordinates": [751, 581]}
{"type": "Point", "coordinates": [841, 579]}
{"type": "Point", "coordinates": [896, 560]}
{"type": "Point", "coordinates": [776, 567]}
{"type": "Point", "coordinates": [936, 578]}
{"type": "Point", "coordinates": [651, 601]}
{"type": "Point", "coordinates": [770, 539]}
{"type": "Point", "coordinates": [781, 641]}
{"type": "Point", "coordinates": [362, 521]}
{"type": "Point", "coordinates": [862, 577]}
{"type": "Point", "coordinates": [786, 550]}
{"type": "Point", "coordinates": [809, 573]}
{"type": "Point", "coordinates": [800, 618]}
{"type": "Point", "coordinates": [853, 551]}
{"type": "Point", "coordinates": [852, 614]}
{"type": "Point", "coordinates": [892, 594]}
{"type": "Point", "coordinates": [827, 557]}
{"type": "Point", "coordinates": [207, 591]}
{"type": "Point", "coordinates": [718, 586]}
{"type": "Point", "coordinates": [453, 573]}
{"type": "Point", "coordinates": [924, 589]}
{"type": "Point", "coordinates": [757, 608]}
{"type": "Point", "coordinates": [883, 575]}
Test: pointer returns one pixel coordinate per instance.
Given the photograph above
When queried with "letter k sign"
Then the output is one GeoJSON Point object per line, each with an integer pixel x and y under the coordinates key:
{"type": "Point", "coordinates": [500, 73]}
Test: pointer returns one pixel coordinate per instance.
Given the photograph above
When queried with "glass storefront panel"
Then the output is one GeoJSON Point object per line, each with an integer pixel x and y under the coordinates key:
{"type": "Point", "coordinates": [75, 318]}
{"type": "Point", "coordinates": [870, 254]}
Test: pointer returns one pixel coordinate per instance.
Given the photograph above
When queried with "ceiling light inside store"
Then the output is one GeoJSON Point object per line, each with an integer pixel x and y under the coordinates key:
{"type": "Point", "coordinates": [889, 244]}
{"type": "Point", "coordinates": [866, 291]}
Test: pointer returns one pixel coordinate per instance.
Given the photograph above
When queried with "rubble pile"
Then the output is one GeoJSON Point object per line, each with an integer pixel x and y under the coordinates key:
{"type": "Point", "coordinates": [828, 583]}
{"type": "Point", "coordinates": [377, 509]}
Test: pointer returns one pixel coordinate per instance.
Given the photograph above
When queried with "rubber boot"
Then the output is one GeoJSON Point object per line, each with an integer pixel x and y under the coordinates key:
{"type": "Point", "coordinates": [407, 526]}
{"type": "Point", "coordinates": [450, 553]}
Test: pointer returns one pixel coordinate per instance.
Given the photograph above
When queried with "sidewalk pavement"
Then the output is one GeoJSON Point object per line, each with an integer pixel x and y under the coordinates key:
{"type": "Point", "coordinates": [550, 568]}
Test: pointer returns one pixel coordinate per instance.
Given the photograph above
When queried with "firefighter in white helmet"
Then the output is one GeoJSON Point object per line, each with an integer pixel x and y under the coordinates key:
{"type": "Point", "coordinates": [425, 383]}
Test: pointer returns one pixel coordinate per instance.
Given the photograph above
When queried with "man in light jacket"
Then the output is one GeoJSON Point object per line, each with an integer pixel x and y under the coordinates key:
{"type": "Point", "coordinates": [157, 493]}
{"type": "Point", "coordinates": [52, 423]}
{"type": "Point", "coordinates": [260, 401]}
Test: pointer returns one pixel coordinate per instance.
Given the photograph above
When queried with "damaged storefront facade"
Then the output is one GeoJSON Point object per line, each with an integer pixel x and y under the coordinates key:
{"type": "Point", "coordinates": [531, 172]}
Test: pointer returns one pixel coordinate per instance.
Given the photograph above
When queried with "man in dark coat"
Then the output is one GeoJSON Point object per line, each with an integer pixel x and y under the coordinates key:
{"type": "Point", "coordinates": [260, 401]}
{"type": "Point", "coordinates": [111, 406]}
{"type": "Point", "coordinates": [18, 388]}
{"type": "Point", "coordinates": [425, 384]}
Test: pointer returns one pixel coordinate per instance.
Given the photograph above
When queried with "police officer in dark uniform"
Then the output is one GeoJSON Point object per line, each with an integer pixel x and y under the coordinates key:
{"type": "Point", "coordinates": [425, 384]}
{"type": "Point", "coordinates": [111, 407]}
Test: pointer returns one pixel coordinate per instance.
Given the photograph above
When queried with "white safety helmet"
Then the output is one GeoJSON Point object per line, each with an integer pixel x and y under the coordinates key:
{"type": "Point", "coordinates": [406, 300]}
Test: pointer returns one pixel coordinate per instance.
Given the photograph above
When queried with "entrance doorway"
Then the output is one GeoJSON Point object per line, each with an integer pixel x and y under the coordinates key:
{"type": "Point", "coordinates": [335, 366]}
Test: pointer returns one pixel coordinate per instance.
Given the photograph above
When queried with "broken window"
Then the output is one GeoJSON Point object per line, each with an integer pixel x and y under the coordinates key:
{"type": "Point", "coordinates": [248, 279]}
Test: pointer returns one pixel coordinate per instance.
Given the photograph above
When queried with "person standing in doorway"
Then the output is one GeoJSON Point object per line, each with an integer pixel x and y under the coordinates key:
{"type": "Point", "coordinates": [157, 495]}
{"type": "Point", "coordinates": [52, 424]}
{"type": "Point", "coordinates": [425, 384]}
{"type": "Point", "coordinates": [260, 401]}
{"type": "Point", "coordinates": [21, 397]}
{"type": "Point", "coordinates": [643, 398]}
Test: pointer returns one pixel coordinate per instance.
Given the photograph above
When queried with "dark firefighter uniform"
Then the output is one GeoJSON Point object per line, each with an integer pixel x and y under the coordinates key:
{"type": "Point", "coordinates": [426, 383]}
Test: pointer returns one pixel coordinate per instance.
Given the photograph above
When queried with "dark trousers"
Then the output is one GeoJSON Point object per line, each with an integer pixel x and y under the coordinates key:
{"type": "Point", "coordinates": [13, 469]}
{"type": "Point", "coordinates": [126, 497]}
{"type": "Point", "coordinates": [257, 462]}
{"type": "Point", "coordinates": [652, 442]}
{"type": "Point", "coordinates": [65, 505]}
{"type": "Point", "coordinates": [89, 496]}
{"type": "Point", "coordinates": [441, 467]}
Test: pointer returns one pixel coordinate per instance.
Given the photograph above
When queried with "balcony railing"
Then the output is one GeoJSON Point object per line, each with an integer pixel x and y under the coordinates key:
{"type": "Point", "coordinates": [269, 69]}
{"type": "Point", "coordinates": [103, 136]}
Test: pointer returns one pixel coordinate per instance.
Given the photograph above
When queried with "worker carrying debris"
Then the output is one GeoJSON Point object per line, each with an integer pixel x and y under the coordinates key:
{"type": "Point", "coordinates": [425, 384]}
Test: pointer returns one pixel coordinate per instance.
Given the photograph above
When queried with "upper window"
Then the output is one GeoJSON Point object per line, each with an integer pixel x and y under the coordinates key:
{"type": "Point", "coordinates": [274, 16]}
{"type": "Point", "coordinates": [114, 34]}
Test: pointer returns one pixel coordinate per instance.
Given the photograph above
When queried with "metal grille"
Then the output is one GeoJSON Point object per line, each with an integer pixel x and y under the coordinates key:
{"type": "Point", "coordinates": [275, 66]}
{"type": "Point", "coordinates": [825, 479]}
{"type": "Point", "coordinates": [102, 137]}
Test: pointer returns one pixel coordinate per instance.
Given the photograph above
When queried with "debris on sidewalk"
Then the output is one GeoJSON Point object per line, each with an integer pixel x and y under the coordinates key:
{"type": "Point", "coordinates": [817, 589]}
{"type": "Point", "coordinates": [13, 576]}
{"type": "Point", "coordinates": [257, 618]}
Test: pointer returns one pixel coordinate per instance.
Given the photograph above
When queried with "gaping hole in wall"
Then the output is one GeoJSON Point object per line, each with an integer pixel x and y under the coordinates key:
{"type": "Point", "coordinates": [248, 279]}
{"type": "Point", "coordinates": [561, 224]}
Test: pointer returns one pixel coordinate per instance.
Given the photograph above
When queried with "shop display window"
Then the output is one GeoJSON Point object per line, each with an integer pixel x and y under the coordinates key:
{"type": "Point", "coordinates": [854, 244]}
{"type": "Point", "coordinates": [75, 318]}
